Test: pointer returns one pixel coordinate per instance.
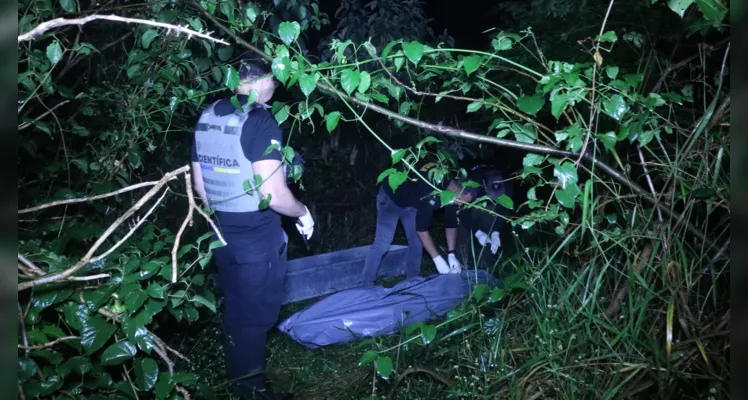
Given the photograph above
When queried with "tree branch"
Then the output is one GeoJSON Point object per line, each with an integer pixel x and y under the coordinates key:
{"type": "Point", "coordinates": [25, 261]}
{"type": "Point", "coordinates": [88, 278]}
{"type": "Point", "coordinates": [60, 22]}
{"type": "Point", "coordinates": [47, 345]}
{"type": "Point", "coordinates": [44, 114]}
{"type": "Point", "coordinates": [187, 220]}
{"type": "Point", "coordinates": [89, 255]}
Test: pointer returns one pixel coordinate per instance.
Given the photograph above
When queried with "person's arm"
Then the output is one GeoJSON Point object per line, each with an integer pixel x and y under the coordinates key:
{"type": "Point", "coordinates": [450, 224]}
{"type": "Point", "coordinates": [274, 185]}
{"type": "Point", "coordinates": [428, 244]}
{"type": "Point", "coordinates": [451, 239]}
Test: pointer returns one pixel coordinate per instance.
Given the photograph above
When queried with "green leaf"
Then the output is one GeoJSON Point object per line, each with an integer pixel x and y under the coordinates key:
{"type": "Point", "coordinates": [331, 120]}
{"type": "Point", "coordinates": [308, 83]}
{"type": "Point", "coordinates": [289, 31]}
{"type": "Point", "coordinates": [385, 174]}
{"type": "Point", "coordinates": [479, 292]}
{"type": "Point", "coordinates": [148, 37]}
{"type": "Point", "coordinates": [365, 82]}
{"type": "Point", "coordinates": [414, 51]}
{"type": "Point", "coordinates": [505, 201]}
{"type": "Point", "coordinates": [446, 197]}
{"type": "Point", "coordinates": [251, 13]}
{"type": "Point", "coordinates": [207, 303]}
{"type": "Point", "coordinates": [396, 179]}
{"type": "Point", "coordinates": [679, 6]}
{"type": "Point", "coordinates": [524, 133]}
{"type": "Point", "coordinates": [608, 140]}
{"type": "Point", "coordinates": [78, 364]}
{"type": "Point", "coordinates": [703, 193]}
{"type": "Point", "coordinates": [471, 63]}
{"type": "Point", "coordinates": [567, 197]}
{"type": "Point", "coordinates": [612, 71]}
{"type": "Point", "coordinates": [350, 80]}
{"type": "Point", "coordinates": [609, 36]}
{"type": "Point", "coordinates": [428, 333]}
{"type": "Point", "coordinates": [27, 368]}
{"type": "Point", "coordinates": [156, 291]}
{"type": "Point", "coordinates": [566, 174]}
{"type": "Point", "coordinates": [496, 295]}
{"type": "Point", "coordinates": [398, 155]}
{"type": "Point", "coordinates": [615, 106]}
{"type": "Point", "coordinates": [118, 353]}
{"type": "Point", "coordinates": [231, 78]}
{"type": "Point", "coordinates": [384, 366]}
{"type": "Point", "coordinates": [530, 104]}
{"type": "Point", "coordinates": [714, 11]}
{"type": "Point", "coordinates": [399, 60]}
{"type": "Point", "coordinates": [95, 333]}
{"type": "Point", "coordinates": [146, 373]}
{"type": "Point", "coordinates": [646, 136]}
{"type": "Point", "coordinates": [474, 106]}
{"type": "Point", "coordinates": [54, 52]}
{"type": "Point", "coordinates": [504, 41]}
{"type": "Point", "coordinates": [69, 5]}
{"type": "Point", "coordinates": [368, 357]}
{"type": "Point", "coordinates": [558, 104]}
{"type": "Point", "coordinates": [225, 53]}
{"type": "Point", "coordinates": [281, 68]}
{"type": "Point", "coordinates": [427, 139]}
{"type": "Point", "coordinates": [282, 114]}
{"type": "Point", "coordinates": [532, 159]}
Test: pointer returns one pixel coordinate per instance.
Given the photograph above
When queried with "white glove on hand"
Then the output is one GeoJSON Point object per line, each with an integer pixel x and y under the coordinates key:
{"type": "Point", "coordinates": [495, 242]}
{"type": "Point", "coordinates": [454, 264]}
{"type": "Point", "coordinates": [482, 238]}
{"type": "Point", "coordinates": [441, 265]}
{"type": "Point", "coordinates": [305, 224]}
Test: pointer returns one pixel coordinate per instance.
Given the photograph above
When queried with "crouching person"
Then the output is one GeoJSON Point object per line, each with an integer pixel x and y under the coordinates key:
{"type": "Point", "coordinates": [229, 149]}
{"type": "Point", "coordinates": [484, 226]}
{"type": "Point", "coordinates": [413, 205]}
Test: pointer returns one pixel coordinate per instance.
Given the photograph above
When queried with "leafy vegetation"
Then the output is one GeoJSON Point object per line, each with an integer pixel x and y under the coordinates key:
{"type": "Point", "coordinates": [618, 266]}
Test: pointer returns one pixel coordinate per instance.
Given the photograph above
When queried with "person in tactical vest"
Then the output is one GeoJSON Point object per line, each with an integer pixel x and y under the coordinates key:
{"type": "Point", "coordinates": [230, 148]}
{"type": "Point", "coordinates": [485, 226]}
{"type": "Point", "coordinates": [413, 205]}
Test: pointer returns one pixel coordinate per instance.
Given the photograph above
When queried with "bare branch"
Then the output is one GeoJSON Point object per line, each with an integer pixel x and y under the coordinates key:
{"type": "Point", "coordinates": [89, 255]}
{"type": "Point", "coordinates": [187, 220]}
{"type": "Point", "coordinates": [44, 114]}
{"type": "Point", "coordinates": [50, 344]}
{"type": "Point", "coordinates": [25, 261]}
{"type": "Point", "coordinates": [91, 198]}
{"type": "Point", "coordinates": [60, 22]}
{"type": "Point", "coordinates": [22, 325]}
{"type": "Point", "coordinates": [649, 181]}
{"type": "Point", "coordinates": [88, 278]}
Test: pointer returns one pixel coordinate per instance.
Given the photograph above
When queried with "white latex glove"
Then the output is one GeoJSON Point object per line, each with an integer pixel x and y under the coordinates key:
{"type": "Point", "coordinates": [454, 264]}
{"type": "Point", "coordinates": [305, 224]}
{"type": "Point", "coordinates": [495, 242]}
{"type": "Point", "coordinates": [482, 238]}
{"type": "Point", "coordinates": [441, 265]}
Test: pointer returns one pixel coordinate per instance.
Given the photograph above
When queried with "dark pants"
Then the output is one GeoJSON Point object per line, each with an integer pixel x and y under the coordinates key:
{"type": "Point", "coordinates": [251, 275]}
{"type": "Point", "coordinates": [470, 252]}
{"type": "Point", "coordinates": [388, 213]}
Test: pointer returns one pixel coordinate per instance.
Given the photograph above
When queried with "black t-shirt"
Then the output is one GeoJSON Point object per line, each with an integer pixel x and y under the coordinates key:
{"type": "Point", "coordinates": [416, 194]}
{"type": "Point", "coordinates": [257, 133]}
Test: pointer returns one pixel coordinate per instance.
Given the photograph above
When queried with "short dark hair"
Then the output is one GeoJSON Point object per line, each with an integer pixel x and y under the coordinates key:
{"type": "Point", "coordinates": [252, 69]}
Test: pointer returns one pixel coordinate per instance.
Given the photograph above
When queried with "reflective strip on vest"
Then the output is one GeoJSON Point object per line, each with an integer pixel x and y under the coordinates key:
{"type": "Point", "coordinates": [223, 164]}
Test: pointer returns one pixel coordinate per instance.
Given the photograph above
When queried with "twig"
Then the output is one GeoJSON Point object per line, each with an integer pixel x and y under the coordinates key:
{"type": "Point", "coordinates": [182, 390]}
{"type": "Point", "coordinates": [21, 395]}
{"type": "Point", "coordinates": [207, 218]}
{"type": "Point", "coordinates": [684, 62]}
{"type": "Point", "coordinates": [25, 261]}
{"type": "Point", "coordinates": [132, 386]}
{"type": "Point", "coordinates": [22, 325]}
{"type": "Point", "coordinates": [649, 179]}
{"type": "Point", "coordinates": [158, 340]}
{"type": "Point", "coordinates": [162, 353]}
{"type": "Point", "coordinates": [44, 114]}
{"type": "Point", "coordinates": [393, 391]}
{"type": "Point", "coordinates": [50, 344]}
{"type": "Point", "coordinates": [87, 258]}
{"type": "Point", "coordinates": [60, 22]}
{"type": "Point", "coordinates": [88, 278]}
{"type": "Point", "coordinates": [70, 66]}
{"type": "Point", "coordinates": [187, 220]}
{"type": "Point", "coordinates": [592, 92]}
{"type": "Point", "coordinates": [132, 230]}
{"type": "Point", "coordinates": [91, 198]}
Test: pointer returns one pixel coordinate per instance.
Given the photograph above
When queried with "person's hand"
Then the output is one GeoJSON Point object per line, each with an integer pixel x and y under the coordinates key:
{"type": "Point", "coordinates": [441, 265]}
{"type": "Point", "coordinates": [495, 242]}
{"type": "Point", "coordinates": [454, 264]}
{"type": "Point", "coordinates": [305, 224]}
{"type": "Point", "coordinates": [482, 238]}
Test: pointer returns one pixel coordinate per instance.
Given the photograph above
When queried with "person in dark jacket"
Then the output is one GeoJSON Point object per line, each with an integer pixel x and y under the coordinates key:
{"type": "Point", "coordinates": [413, 204]}
{"type": "Point", "coordinates": [484, 226]}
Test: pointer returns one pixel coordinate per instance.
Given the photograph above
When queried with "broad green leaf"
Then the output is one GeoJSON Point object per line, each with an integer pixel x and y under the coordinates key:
{"type": "Point", "coordinates": [567, 197]}
{"type": "Point", "coordinates": [646, 136]}
{"type": "Point", "coordinates": [385, 174]}
{"type": "Point", "coordinates": [530, 104]}
{"type": "Point", "coordinates": [289, 31]}
{"type": "Point", "coordinates": [384, 366]}
{"type": "Point", "coordinates": [496, 295]}
{"type": "Point", "coordinates": [225, 53]}
{"type": "Point", "coordinates": [78, 364]}
{"type": "Point", "coordinates": [532, 159]}
{"type": "Point", "coordinates": [331, 120]}
{"type": "Point", "coordinates": [615, 106]}
{"type": "Point", "coordinates": [230, 78]}
{"type": "Point", "coordinates": [608, 140]}
{"type": "Point", "coordinates": [207, 303]}
{"type": "Point", "coordinates": [524, 133]}
{"type": "Point", "coordinates": [479, 292]}
{"type": "Point", "coordinates": [474, 106]}
{"type": "Point", "coordinates": [503, 41]}
{"type": "Point", "coordinates": [282, 114]}
{"type": "Point", "coordinates": [609, 36]}
{"type": "Point", "coordinates": [27, 368]}
{"type": "Point", "coordinates": [368, 357]}
{"type": "Point", "coordinates": [157, 291]}
{"type": "Point", "coordinates": [471, 63]}
{"type": "Point", "coordinates": [365, 82]}
{"type": "Point", "coordinates": [428, 333]}
{"type": "Point", "coordinates": [505, 201]}
{"type": "Point", "coordinates": [427, 139]}
{"type": "Point", "coordinates": [350, 80]}
{"type": "Point", "coordinates": [566, 174]}
{"type": "Point", "coordinates": [118, 353]}
{"type": "Point", "coordinates": [251, 13]}
{"type": "Point", "coordinates": [308, 83]}
{"type": "Point", "coordinates": [714, 11]}
{"type": "Point", "coordinates": [398, 155]}
{"type": "Point", "coordinates": [69, 5]}
{"type": "Point", "coordinates": [679, 6]}
{"type": "Point", "coordinates": [54, 52]}
{"type": "Point", "coordinates": [446, 197]}
{"type": "Point", "coordinates": [396, 179]}
{"type": "Point", "coordinates": [95, 333]}
{"type": "Point", "coordinates": [399, 60]}
{"type": "Point", "coordinates": [387, 48]}
{"type": "Point", "coordinates": [146, 373]}
{"type": "Point", "coordinates": [414, 51]}
{"type": "Point", "coordinates": [148, 37]}
{"type": "Point", "coordinates": [281, 68]}
{"type": "Point", "coordinates": [558, 104]}
{"type": "Point", "coordinates": [612, 71]}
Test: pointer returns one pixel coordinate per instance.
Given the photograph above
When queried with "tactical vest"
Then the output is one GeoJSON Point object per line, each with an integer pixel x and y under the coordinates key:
{"type": "Point", "coordinates": [223, 164]}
